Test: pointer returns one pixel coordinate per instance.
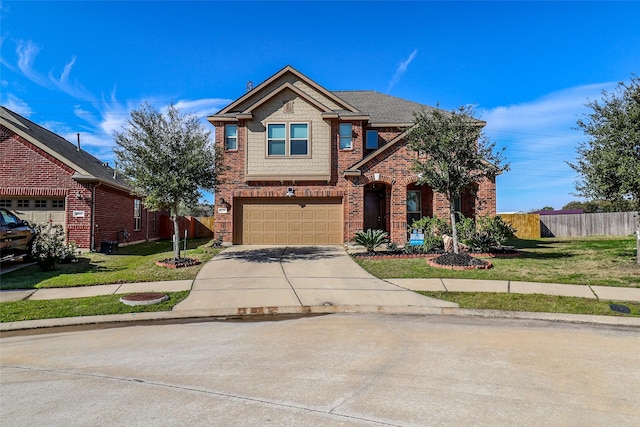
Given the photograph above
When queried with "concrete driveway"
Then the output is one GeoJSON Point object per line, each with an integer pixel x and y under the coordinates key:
{"type": "Point", "coordinates": [253, 278]}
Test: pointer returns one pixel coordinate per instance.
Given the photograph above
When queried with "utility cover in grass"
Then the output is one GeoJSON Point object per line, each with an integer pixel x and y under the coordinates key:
{"type": "Point", "coordinates": [144, 298]}
{"type": "Point", "coordinates": [620, 308]}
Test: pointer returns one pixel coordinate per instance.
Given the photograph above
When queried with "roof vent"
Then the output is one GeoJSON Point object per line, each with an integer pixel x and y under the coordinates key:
{"type": "Point", "coordinates": [78, 141]}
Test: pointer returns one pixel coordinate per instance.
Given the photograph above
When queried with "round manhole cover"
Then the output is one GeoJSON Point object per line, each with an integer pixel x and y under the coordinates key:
{"type": "Point", "coordinates": [144, 298]}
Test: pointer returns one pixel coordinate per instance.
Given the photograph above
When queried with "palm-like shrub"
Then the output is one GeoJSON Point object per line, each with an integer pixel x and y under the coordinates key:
{"type": "Point", "coordinates": [371, 239]}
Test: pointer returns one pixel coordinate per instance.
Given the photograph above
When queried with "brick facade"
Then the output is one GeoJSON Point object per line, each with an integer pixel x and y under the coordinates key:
{"type": "Point", "coordinates": [27, 171]}
{"type": "Point", "coordinates": [387, 175]}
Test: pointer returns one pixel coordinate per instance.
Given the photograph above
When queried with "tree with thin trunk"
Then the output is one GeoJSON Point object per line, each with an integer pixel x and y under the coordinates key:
{"type": "Point", "coordinates": [609, 161]}
{"type": "Point", "coordinates": [453, 155]}
{"type": "Point", "coordinates": [167, 158]}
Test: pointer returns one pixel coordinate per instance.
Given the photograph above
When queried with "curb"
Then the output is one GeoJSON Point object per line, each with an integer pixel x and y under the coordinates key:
{"type": "Point", "coordinates": [259, 313]}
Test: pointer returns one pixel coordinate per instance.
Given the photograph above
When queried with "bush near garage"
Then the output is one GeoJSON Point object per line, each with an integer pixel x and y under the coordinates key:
{"type": "Point", "coordinates": [48, 246]}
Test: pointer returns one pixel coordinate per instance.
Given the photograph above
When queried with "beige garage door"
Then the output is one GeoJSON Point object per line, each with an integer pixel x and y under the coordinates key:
{"type": "Point", "coordinates": [288, 221]}
{"type": "Point", "coordinates": [38, 209]}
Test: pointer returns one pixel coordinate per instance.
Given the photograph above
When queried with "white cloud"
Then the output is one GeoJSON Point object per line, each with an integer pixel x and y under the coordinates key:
{"type": "Point", "coordinates": [17, 105]}
{"type": "Point", "coordinates": [27, 52]}
{"type": "Point", "coordinates": [73, 89]}
{"type": "Point", "coordinates": [202, 107]}
{"type": "Point", "coordinates": [402, 68]}
{"type": "Point", "coordinates": [540, 137]}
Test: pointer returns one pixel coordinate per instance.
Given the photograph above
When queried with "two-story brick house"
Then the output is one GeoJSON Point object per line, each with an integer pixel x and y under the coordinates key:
{"type": "Point", "coordinates": [305, 165]}
{"type": "Point", "coordinates": [45, 178]}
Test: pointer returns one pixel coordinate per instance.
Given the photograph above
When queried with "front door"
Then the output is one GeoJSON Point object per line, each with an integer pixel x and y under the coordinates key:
{"type": "Point", "coordinates": [374, 209]}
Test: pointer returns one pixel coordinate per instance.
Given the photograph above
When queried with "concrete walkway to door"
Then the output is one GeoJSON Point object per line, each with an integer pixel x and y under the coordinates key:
{"type": "Point", "coordinates": [271, 279]}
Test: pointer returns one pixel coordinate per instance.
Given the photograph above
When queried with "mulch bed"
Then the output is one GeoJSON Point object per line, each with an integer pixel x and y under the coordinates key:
{"type": "Point", "coordinates": [177, 263]}
{"type": "Point", "coordinates": [463, 261]}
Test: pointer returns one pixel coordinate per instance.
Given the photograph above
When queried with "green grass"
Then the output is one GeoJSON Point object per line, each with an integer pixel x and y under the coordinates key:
{"type": "Point", "coordinates": [16, 311]}
{"type": "Point", "coordinates": [132, 264]}
{"type": "Point", "coordinates": [605, 261]}
{"type": "Point", "coordinates": [533, 303]}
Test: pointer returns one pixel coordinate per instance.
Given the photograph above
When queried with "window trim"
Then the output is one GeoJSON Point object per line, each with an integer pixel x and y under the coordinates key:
{"type": "Point", "coordinates": [288, 139]}
{"type": "Point", "coordinates": [227, 137]}
{"type": "Point", "coordinates": [341, 137]}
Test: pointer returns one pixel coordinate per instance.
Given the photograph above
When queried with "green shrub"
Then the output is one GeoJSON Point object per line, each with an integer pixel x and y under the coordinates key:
{"type": "Point", "coordinates": [371, 239]}
{"type": "Point", "coordinates": [431, 226]}
{"type": "Point", "coordinates": [48, 246]}
{"type": "Point", "coordinates": [499, 230]}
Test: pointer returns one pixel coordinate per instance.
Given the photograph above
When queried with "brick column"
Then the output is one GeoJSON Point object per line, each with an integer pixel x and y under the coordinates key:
{"type": "Point", "coordinates": [398, 232]}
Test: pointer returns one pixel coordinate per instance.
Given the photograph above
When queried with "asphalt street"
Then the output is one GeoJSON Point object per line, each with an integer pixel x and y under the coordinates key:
{"type": "Point", "coordinates": [332, 370]}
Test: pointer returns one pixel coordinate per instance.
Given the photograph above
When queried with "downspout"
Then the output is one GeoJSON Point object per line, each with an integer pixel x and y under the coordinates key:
{"type": "Point", "coordinates": [147, 226]}
{"type": "Point", "coordinates": [93, 216]}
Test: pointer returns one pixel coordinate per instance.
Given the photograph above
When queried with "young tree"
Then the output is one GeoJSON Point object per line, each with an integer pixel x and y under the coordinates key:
{"type": "Point", "coordinates": [609, 161]}
{"type": "Point", "coordinates": [453, 154]}
{"type": "Point", "coordinates": [167, 158]}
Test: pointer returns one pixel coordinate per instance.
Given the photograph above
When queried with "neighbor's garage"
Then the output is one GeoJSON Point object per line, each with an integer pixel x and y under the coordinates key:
{"type": "Point", "coordinates": [288, 221]}
{"type": "Point", "coordinates": [41, 210]}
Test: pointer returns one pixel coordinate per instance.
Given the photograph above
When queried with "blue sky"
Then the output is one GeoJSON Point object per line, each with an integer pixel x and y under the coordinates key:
{"type": "Point", "coordinates": [527, 68]}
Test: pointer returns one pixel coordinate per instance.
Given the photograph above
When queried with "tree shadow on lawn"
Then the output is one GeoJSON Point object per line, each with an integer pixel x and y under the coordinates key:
{"type": "Point", "coordinates": [279, 254]}
{"type": "Point", "coordinates": [157, 247]}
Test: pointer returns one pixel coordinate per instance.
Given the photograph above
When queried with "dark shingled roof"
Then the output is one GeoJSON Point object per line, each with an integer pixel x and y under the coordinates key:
{"type": "Point", "coordinates": [381, 108]}
{"type": "Point", "coordinates": [66, 152]}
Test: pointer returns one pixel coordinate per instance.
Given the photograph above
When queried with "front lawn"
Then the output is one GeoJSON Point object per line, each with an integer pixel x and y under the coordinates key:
{"type": "Point", "coordinates": [605, 261]}
{"type": "Point", "coordinates": [132, 264]}
{"type": "Point", "coordinates": [534, 303]}
{"type": "Point", "coordinates": [16, 311]}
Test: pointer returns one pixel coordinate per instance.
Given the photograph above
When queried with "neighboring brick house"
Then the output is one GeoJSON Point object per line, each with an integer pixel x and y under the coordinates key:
{"type": "Point", "coordinates": [305, 165]}
{"type": "Point", "coordinates": [45, 178]}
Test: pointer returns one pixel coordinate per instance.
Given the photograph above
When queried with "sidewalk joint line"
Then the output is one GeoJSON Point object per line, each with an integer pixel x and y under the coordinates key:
{"type": "Point", "coordinates": [593, 292]}
{"type": "Point", "coordinates": [443, 285]}
{"type": "Point", "coordinates": [509, 286]}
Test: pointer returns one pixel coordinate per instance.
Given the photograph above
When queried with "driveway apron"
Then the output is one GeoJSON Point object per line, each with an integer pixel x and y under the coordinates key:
{"type": "Point", "coordinates": [285, 276]}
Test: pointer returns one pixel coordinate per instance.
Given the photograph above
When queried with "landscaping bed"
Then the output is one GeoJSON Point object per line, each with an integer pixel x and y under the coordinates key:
{"type": "Point", "coordinates": [462, 261]}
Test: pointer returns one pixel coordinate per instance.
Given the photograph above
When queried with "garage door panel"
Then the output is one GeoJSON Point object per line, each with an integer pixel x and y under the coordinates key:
{"type": "Point", "coordinates": [289, 222]}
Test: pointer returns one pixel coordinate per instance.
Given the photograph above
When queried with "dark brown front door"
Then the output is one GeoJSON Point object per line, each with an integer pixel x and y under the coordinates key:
{"type": "Point", "coordinates": [374, 210]}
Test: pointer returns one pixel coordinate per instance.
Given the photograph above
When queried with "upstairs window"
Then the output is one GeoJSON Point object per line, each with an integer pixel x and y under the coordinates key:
{"type": "Point", "coordinates": [288, 139]}
{"type": "Point", "coordinates": [372, 140]}
{"type": "Point", "coordinates": [346, 133]}
{"type": "Point", "coordinates": [276, 140]}
{"type": "Point", "coordinates": [231, 137]}
{"type": "Point", "coordinates": [299, 139]}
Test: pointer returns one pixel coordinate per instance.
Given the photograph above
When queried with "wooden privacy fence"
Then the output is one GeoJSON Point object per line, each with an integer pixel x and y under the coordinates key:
{"type": "Point", "coordinates": [527, 225]}
{"type": "Point", "coordinates": [591, 224]}
{"type": "Point", "coordinates": [533, 226]}
{"type": "Point", "coordinates": [197, 227]}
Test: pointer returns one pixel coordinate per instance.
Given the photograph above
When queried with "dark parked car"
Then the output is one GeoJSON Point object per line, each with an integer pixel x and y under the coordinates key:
{"type": "Point", "coordinates": [15, 235]}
